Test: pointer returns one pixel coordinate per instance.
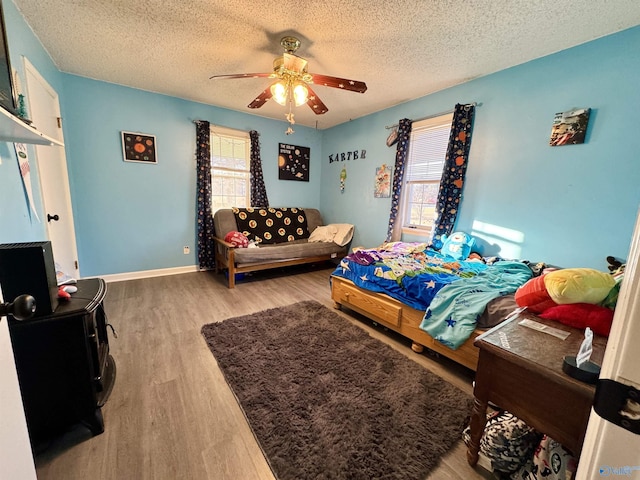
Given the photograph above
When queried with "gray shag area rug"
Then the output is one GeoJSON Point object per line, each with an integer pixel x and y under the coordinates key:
{"type": "Point", "coordinates": [325, 400]}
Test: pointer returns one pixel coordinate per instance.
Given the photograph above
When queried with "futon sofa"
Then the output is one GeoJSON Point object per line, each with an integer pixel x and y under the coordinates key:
{"type": "Point", "coordinates": [304, 239]}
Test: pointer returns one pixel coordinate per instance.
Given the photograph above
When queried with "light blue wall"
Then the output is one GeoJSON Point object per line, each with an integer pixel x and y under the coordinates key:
{"type": "Point", "coordinates": [133, 217]}
{"type": "Point", "coordinates": [569, 206]}
{"type": "Point", "coordinates": [17, 224]}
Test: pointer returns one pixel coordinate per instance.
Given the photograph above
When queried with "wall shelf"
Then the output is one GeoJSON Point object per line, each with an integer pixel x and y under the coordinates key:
{"type": "Point", "coordinates": [12, 129]}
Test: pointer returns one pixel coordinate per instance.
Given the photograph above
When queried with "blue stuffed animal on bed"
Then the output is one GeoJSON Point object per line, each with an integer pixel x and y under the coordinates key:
{"type": "Point", "coordinates": [458, 245]}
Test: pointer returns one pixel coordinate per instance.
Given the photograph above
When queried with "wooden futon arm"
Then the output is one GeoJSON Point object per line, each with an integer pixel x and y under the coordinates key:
{"type": "Point", "coordinates": [225, 257]}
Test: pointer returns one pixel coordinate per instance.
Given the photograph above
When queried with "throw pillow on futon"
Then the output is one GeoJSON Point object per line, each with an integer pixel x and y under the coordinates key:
{"type": "Point", "coordinates": [236, 239]}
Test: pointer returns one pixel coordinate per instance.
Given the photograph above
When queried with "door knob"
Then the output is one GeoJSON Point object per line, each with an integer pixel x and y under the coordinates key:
{"type": "Point", "coordinates": [55, 218]}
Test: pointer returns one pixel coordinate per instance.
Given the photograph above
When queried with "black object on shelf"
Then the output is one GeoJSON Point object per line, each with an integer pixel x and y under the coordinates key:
{"type": "Point", "coordinates": [64, 367]}
{"type": "Point", "coordinates": [29, 268]}
{"type": "Point", "coordinates": [22, 308]}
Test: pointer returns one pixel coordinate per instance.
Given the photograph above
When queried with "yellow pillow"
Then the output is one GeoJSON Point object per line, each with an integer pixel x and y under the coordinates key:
{"type": "Point", "coordinates": [578, 285]}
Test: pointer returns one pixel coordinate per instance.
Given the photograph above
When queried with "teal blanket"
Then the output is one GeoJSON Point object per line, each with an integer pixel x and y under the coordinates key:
{"type": "Point", "coordinates": [455, 309]}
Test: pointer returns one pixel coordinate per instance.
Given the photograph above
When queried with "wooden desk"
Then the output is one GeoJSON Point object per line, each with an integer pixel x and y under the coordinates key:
{"type": "Point", "coordinates": [520, 369]}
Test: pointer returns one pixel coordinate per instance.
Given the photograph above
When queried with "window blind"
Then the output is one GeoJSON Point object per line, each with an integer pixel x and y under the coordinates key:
{"type": "Point", "coordinates": [427, 149]}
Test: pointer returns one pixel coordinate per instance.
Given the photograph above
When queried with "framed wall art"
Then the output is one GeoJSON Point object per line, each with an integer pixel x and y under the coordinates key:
{"type": "Point", "coordinates": [139, 147]}
{"type": "Point", "coordinates": [569, 128]}
{"type": "Point", "coordinates": [382, 185]}
{"type": "Point", "coordinates": [293, 162]}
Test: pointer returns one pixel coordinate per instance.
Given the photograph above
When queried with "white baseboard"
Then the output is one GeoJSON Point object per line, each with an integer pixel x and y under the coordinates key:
{"type": "Point", "coordinates": [161, 272]}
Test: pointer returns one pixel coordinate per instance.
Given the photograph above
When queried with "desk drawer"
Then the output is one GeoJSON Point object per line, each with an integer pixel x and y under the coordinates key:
{"type": "Point", "coordinates": [382, 309]}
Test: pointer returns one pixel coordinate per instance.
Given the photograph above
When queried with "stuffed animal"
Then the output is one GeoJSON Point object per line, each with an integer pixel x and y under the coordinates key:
{"type": "Point", "coordinates": [458, 245]}
{"type": "Point", "coordinates": [614, 263]}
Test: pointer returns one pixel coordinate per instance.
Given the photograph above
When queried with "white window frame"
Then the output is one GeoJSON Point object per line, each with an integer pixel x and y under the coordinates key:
{"type": "Point", "coordinates": [421, 173]}
{"type": "Point", "coordinates": [243, 142]}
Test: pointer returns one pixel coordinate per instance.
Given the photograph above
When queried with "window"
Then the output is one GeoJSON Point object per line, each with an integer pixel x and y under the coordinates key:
{"type": "Point", "coordinates": [230, 154]}
{"type": "Point", "coordinates": [425, 162]}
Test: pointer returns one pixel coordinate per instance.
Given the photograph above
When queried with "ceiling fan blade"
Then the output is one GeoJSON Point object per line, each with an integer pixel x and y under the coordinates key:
{"type": "Point", "coordinates": [343, 83]}
{"type": "Point", "coordinates": [243, 75]}
{"type": "Point", "coordinates": [261, 99]}
{"type": "Point", "coordinates": [315, 103]}
{"type": "Point", "coordinates": [294, 63]}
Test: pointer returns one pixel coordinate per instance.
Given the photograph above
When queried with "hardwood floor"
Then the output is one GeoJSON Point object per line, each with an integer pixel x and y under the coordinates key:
{"type": "Point", "coordinates": [171, 415]}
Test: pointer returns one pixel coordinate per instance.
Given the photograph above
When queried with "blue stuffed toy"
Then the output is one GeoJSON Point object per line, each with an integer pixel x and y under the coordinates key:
{"type": "Point", "coordinates": [458, 245]}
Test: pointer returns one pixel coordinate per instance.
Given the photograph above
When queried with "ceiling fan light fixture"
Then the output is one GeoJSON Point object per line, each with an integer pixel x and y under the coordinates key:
{"type": "Point", "coordinates": [293, 82]}
{"type": "Point", "coordinates": [279, 91]}
{"type": "Point", "coordinates": [300, 93]}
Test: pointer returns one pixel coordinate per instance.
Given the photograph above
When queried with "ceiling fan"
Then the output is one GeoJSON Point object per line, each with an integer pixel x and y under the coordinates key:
{"type": "Point", "coordinates": [293, 80]}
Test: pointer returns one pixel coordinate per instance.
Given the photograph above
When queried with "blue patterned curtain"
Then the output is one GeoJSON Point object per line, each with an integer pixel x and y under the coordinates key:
{"type": "Point", "coordinates": [455, 168]}
{"type": "Point", "coordinates": [258, 190]}
{"type": "Point", "coordinates": [402, 148]}
{"type": "Point", "coordinates": [206, 252]}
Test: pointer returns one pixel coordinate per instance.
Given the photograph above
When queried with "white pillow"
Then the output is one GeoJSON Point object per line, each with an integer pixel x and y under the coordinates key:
{"type": "Point", "coordinates": [323, 233]}
{"type": "Point", "coordinates": [344, 233]}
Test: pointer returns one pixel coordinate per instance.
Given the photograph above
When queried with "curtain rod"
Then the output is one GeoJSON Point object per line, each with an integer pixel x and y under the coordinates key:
{"type": "Point", "coordinates": [475, 104]}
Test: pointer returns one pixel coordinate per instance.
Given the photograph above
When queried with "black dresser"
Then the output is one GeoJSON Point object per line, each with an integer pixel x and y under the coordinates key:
{"type": "Point", "coordinates": [64, 367]}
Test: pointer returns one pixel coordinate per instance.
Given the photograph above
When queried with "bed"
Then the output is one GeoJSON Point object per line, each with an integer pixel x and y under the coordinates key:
{"type": "Point", "coordinates": [430, 298]}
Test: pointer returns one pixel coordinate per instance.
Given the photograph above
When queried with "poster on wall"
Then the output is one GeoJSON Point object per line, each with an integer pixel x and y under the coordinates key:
{"type": "Point", "coordinates": [25, 172]}
{"type": "Point", "coordinates": [139, 147]}
{"type": "Point", "coordinates": [293, 162]}
{"type": "Point", "coordinates": [569, 128]}
{"type": "Point", "coordinates": [382, 186]}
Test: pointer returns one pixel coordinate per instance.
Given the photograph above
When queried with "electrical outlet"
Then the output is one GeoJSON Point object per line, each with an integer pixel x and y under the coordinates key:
{"type": "Point", "coordinates": [186, 250]}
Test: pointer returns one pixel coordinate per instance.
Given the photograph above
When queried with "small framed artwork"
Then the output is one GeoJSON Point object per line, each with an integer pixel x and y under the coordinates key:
{"type": "Point", "coordinates": [569, 128]}
{"type": "Point", "coordinates": [382, 186]}
{"type": "Point", "coordinates": [139, 147]}
{"type": "Point", "coordinates": [293, 162]}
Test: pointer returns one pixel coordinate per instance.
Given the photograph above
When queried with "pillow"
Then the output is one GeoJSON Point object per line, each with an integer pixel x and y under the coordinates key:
{"type": "Point", "coordinates": [339, 233]}
{"type": "Point", "coordinates": [534, 295]}
{"type": "Point", "coordinates": [578, 285]}
{"type": "Point", "coordinates": [612, 297]}
{"type": "Point", "coordinates": [237, 239]}
{"type": "Point", "coordinates": [344, 233]}
{"type": "Point", "coordinates": [323, 233]}
{"type": "Point", "coordinates": [582, 315]}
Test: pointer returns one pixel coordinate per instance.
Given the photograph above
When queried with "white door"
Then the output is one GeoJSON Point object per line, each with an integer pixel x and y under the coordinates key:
{"type": "Point", "coordinates": [610, 450]}
{"type": "Point", "coordinates": [52, 167]}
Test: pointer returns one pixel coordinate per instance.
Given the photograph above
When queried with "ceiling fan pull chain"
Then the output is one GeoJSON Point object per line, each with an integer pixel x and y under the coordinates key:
{"type": "Point", "coordinates": [290, 119]}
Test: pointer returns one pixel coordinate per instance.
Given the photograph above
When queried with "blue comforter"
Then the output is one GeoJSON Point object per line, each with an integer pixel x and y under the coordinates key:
{"type": "Point", "coordinates": [416, 275]}
{"type": "Point", "coordinates": [454, 311]}
{"type": "Point", "coordinates": [408, 272]}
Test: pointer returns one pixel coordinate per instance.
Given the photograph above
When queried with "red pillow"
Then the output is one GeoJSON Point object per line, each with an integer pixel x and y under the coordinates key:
{"type": "Point", "coordinates": [582, 315]}
{"type": "Point", "coordinates": [237, 239]}
{"type": "Point", "coordinates": [534, 296]}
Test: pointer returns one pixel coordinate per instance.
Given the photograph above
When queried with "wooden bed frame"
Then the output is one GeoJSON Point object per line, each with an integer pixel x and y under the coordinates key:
{"type": "Point", "coordinates": [401, 318]}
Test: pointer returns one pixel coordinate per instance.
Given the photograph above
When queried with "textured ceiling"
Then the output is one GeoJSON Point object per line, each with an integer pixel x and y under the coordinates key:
{"type": "Point", "coordinates": [402, 49]}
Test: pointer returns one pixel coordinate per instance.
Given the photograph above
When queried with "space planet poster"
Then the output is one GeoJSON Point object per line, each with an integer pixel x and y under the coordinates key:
{"type": "Point", "coordinates": [293, 162]}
